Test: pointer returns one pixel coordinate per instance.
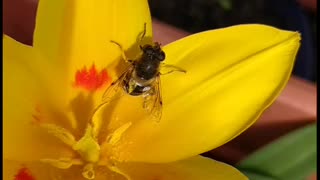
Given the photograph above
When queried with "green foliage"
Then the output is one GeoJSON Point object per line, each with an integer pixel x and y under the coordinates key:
{"type": "Point", "coordinates": [291, 157]}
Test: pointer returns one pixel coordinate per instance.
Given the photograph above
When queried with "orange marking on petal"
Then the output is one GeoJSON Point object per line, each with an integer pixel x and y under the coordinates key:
{"type": "Point", "coordinates": [91, 79]}
{"type": "Point", "coordinates": [24, 174]}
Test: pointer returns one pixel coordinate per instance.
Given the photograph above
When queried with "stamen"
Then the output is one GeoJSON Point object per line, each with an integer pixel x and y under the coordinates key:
{"type": "Point", "coordinates": [61, 133]}
{"type": "Point", "coordinates": [88, 171]}
{"type": "Point", "coordinates": [117, 134]}
{"type": "Point", "coordinates": [62, 163]}
{"type": "Point", "coordinates": [88, 147]}
{"type": "Point", "coordinates": [96, 120]}
{"type": "Point", "coordinates": [115, 169]}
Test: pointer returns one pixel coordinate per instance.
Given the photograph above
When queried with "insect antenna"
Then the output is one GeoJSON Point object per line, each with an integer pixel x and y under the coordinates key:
{"type": "Point", "coordinates": [143, 33]}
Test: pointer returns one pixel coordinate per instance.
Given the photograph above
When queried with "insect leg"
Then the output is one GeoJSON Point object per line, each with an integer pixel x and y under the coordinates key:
{"type": "Point", "coordinates": [122, 52]}
{"type": "Point", "coordinates": [167, 69]}
{"type": "Point", "coordinates": [144, 32]}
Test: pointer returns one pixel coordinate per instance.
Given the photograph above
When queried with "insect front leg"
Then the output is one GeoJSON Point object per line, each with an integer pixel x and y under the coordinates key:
{"type": "Point", "coordinates": [167, 69]}
{"type": "Point", "coordinates": [123, 55]}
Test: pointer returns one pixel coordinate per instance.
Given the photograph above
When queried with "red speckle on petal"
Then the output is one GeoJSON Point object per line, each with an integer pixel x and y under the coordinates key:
{"type": "Point", "coordinates": [91, 79]}
{"type": "Point", "coordinates": [24, 174]}
{"type": "Point", "coordinates": [36, 119]}
{"type": "Point", "coordinates": [37, 116]}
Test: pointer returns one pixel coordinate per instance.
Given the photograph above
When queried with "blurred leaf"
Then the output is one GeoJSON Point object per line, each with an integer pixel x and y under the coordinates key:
{"type": "Point", "coordinates": [257, 176]}
{"type": "Point", "coordinates": [290, 157]}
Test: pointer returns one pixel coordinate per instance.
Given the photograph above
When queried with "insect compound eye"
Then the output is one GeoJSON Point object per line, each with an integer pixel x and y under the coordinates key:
{"type": "Point", "coordinates": [161, 56]}
{"type": "Point", "coordinates": [157, 46]}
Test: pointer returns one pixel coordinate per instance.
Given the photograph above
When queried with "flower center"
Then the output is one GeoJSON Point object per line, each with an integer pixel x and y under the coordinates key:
{"type": "Point", "coordinates": [88, 149]}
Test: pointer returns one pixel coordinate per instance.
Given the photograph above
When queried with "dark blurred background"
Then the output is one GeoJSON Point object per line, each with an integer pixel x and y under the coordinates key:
{"type": "Point", "coordinates": [199, 15]}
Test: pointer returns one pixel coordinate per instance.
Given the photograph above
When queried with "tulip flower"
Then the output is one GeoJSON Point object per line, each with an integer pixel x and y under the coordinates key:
{"type": "Point", "coordinates": [55, 127]}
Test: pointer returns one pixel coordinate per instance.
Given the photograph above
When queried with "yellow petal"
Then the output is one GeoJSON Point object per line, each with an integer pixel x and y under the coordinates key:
{"type": "Point", "coordinates": [78, 33]}
{"type": "Point", "coordinates": [19, 170]}
{"type": "Point", "coordinates": [15, 170]}
{"type": "Point", "coordinates": [233, 75]}
{"type": "Point", "coordinates": [190, 169]}
{"type": "Point", "coordinates": [25, 92]}
{"type": "Point", "coordinates": [49, 74]}
{"type": "Point", "coordinates": [38, 171]}
{"type": "Point", "coordinates": [75, 35]}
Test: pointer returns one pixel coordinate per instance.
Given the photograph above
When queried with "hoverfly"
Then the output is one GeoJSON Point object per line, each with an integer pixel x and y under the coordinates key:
{"type": "Point", "coordinates": [142, 77]}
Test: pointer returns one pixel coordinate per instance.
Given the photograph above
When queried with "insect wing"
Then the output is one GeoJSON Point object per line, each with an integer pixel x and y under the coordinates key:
{"type": "Point", "coordinates": [115, 90]}
{"type": "Point", "coordinates": [153, 101]}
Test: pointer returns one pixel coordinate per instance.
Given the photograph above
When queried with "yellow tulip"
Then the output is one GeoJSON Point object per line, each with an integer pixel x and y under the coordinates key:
{"type": "Point", "coordinates": [52, 89]}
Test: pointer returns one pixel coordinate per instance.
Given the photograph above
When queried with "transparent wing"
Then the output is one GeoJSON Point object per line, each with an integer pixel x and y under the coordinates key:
{"type": "Point", "coordinates": [153, 101]}
{"type": "Point", "coordinates": [115, 90]}
{"type": "Point", "coordinates": [168, 68]}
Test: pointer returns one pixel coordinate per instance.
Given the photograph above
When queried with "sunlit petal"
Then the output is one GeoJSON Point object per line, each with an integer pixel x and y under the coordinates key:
{"type": "Point", "coordinates": [26, 96]}
{"type": "Point", "coordinates": [17, 170]}
{"type": "Point", "coordinates": [78, 33]}
{"type": "Point", "coordinates": [233, 75]}
{"type": "Point", "coordinates": [188, 169]}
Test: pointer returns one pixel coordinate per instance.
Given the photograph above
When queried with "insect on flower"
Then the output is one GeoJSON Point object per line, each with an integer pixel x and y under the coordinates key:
{"type": "Point", "coordinates": [142, 77]}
